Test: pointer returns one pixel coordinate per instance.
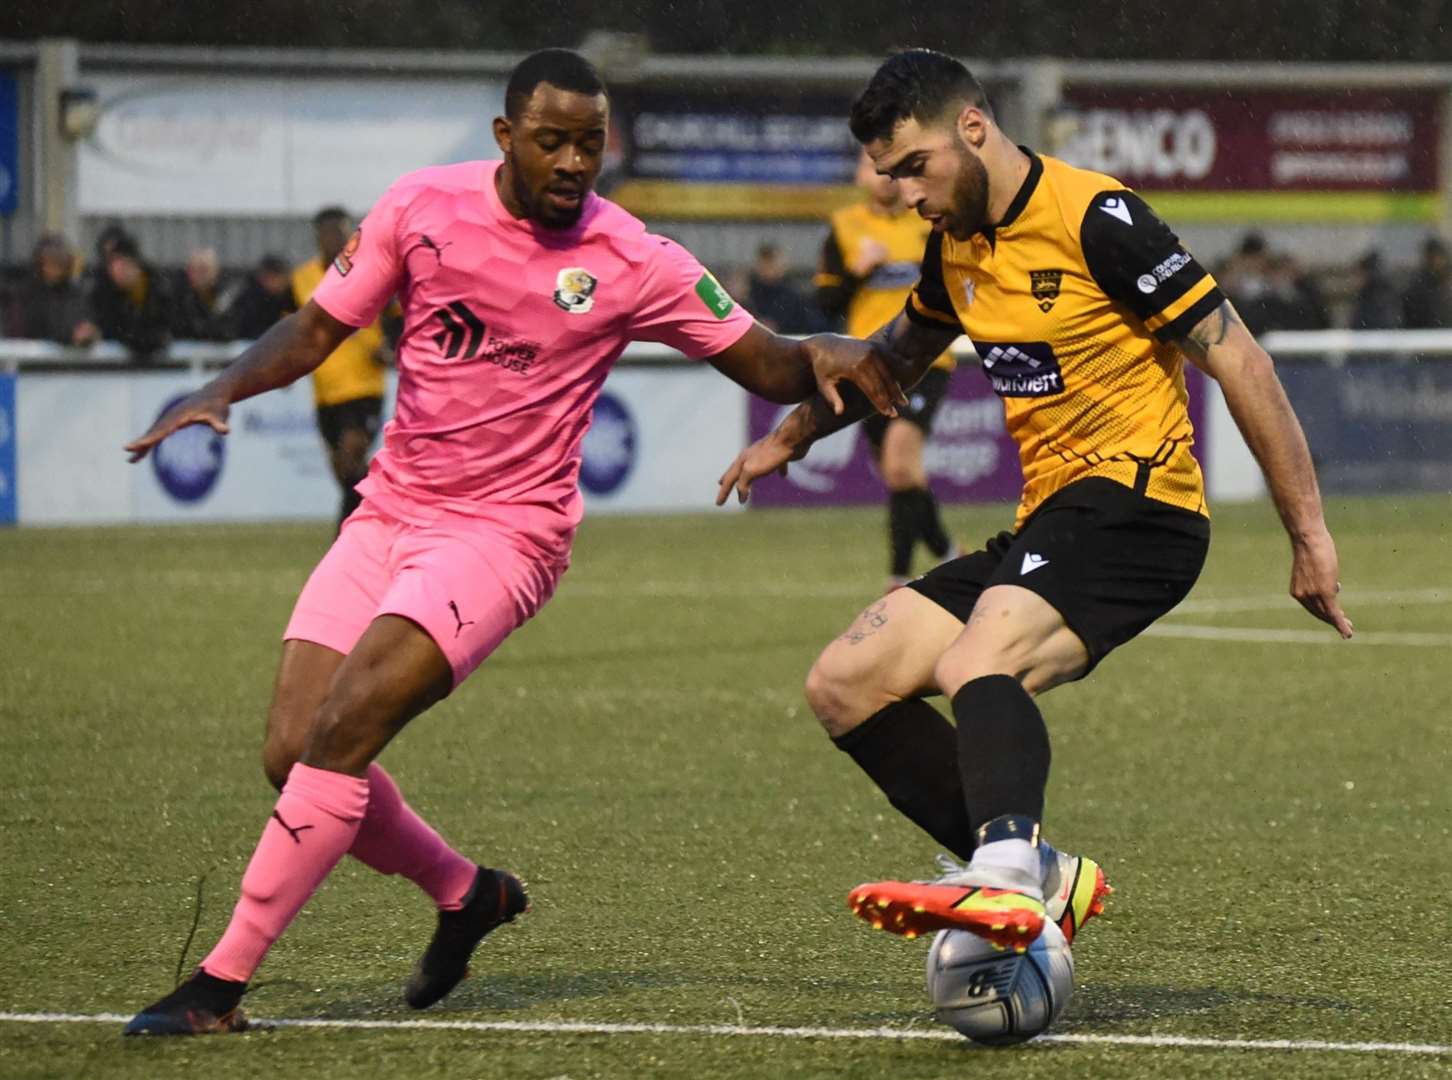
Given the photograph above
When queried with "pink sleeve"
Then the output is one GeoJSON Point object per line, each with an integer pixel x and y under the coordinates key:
{"type": "Point", "coordinates": [683, 306]}
{"type": "Point", "coordinates": [369, 271]}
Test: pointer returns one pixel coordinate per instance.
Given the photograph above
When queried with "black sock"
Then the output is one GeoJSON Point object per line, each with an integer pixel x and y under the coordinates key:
{"type": "Point", "coordinates": [902, 529]}
{"type": "Point", "coordinates": [1003, 749]}
{"type": "Point", "coordinates": [351, 500]}
{"type": "Point", "coordinates": [930, 524]}
{"type": "Point", "coordinates": [910, 751]}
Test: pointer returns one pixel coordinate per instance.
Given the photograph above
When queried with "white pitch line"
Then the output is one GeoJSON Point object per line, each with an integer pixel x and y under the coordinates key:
{"type": "Point", "coordinates": [561, 1027]}
{"type": "Point", "coordinates": [1293, 637]}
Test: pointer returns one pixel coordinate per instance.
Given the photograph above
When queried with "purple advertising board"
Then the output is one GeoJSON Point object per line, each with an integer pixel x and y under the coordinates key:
{"type": "Point", "coordinates": [969, 457]}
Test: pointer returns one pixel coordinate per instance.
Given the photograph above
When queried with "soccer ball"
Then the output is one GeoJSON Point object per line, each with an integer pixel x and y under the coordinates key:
{"type": "Point", "coordinates": [1000, 998]}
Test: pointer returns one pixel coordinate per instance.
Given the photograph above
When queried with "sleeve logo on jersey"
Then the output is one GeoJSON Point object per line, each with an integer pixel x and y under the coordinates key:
{"type": "Point", "coordinates": [714, 296]}
{"type": "Point", "coordinates": [1148, 283]}
{"type": "Point", "coordinates": [1045, 285]}
{"type": "Point", "coordinates": [902, 274]}
{"type": "Point", "coordinates": [1025, 369]}
{"type": "Point", "coordinates": [575, 290]}
{"type": "Point", "coordinates": [344, 262]}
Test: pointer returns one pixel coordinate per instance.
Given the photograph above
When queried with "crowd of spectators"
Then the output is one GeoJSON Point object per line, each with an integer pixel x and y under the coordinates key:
{"type": "Point", "coordinates": [119, 295]}
{"type": "Point", "coordinates": [1273, 292]}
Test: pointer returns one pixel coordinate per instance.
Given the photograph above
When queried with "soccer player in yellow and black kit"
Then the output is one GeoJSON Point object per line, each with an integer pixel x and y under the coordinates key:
{"type": "Point", "coordinates": [348, 388]}
{"type": "Point", "coordinates": [868, 265]}
{"type": "Point", "coordinates": [1082, 306]}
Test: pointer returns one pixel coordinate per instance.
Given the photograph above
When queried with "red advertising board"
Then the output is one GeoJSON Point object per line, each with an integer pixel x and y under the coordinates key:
{"type": "Point", "coordinates": [1255, 140]}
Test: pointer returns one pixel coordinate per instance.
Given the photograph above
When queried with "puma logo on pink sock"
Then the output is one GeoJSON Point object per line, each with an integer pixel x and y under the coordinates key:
{"type": "Point", "coordinates": [290, 830]}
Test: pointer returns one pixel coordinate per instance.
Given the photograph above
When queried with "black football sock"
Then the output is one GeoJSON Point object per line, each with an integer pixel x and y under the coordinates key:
{"type": "Point", "coordinates": [351, 499]}
{"type": "Point", "coordinates": [930, 524]}
{"type": "Point", "coordinates": [1003, 749]}
{"type": "Point", "coordinates": [902, 530]}
{"type": "Point", "coordinates": [910, 751]}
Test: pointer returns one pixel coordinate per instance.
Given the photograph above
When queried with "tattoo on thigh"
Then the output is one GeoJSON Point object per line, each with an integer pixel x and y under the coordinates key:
{"type": "Point", "coordinates": [867, 624]}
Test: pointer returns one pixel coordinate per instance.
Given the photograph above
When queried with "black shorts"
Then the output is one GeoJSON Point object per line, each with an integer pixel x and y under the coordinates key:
{"type": "Point", "coordinates": [364, 413]}
{"type": "Point", "coordinates": [922, 406]}
{"type": "Point", "coordinates": [1109, 560]}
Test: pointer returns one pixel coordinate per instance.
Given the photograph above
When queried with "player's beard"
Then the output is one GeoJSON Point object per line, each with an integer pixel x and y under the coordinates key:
{"type": "Point", "coordinates": [968, 201]}
{"type": "Point", "coordinates": [540, 211]}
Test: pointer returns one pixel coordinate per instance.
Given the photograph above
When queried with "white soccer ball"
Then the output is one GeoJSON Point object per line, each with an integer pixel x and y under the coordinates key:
{"type": "Point", "coordinates": [1000, 998]}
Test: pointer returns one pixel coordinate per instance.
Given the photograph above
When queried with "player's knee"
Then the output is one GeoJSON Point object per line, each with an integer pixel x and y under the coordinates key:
{"type": "Point", "coordinates": [347, 730]}
{"type": "Point", "coordinates": [956, 668]}
{"type": "Point", "coordinates": [837, 693]}
{"type": "Point", "coordinates": [278, 757]}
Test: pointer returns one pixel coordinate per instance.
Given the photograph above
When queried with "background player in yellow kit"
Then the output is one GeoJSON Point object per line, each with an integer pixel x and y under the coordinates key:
{"type": "Point", "coordinates": [869, 263]}
{"type": "Point", "coordinates": [348, 388]}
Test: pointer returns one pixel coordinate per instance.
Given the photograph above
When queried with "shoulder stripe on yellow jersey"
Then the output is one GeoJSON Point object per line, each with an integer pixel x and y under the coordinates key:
{"type": "Point", "coordinates": [1181, 304]}
{"type": "Point", "coordinates": [920, 312]}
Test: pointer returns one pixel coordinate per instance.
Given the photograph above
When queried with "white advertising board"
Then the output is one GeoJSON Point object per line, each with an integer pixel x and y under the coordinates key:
{"type": "Point", "coordinates": [660, 438]}
{"type": "Point", "coordinates": [246, 145]}
{"type": "Point", "coordinates": [271, 466]}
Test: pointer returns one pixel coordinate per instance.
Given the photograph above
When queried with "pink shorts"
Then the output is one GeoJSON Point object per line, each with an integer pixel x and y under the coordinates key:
{"type": "Point", "coordinates": [468, 582]}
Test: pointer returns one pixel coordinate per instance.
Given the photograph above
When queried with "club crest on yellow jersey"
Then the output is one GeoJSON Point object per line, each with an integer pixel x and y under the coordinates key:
{"type": "Point", "coordinates": [1045, 287]}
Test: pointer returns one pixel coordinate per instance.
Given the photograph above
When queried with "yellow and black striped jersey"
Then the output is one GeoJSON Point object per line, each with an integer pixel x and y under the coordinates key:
{"type": "Point", "coordinates": [870, 303]}
{"type": "Point", "coordinates": [1071, 302]}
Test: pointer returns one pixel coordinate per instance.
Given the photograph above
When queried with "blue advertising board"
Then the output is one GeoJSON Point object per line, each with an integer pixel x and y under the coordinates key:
{"type": "Point", "coordinates": [1376, 426]}
{"type": "Point", "coordinates": [9, 142]}
{"type": "Point", "coordinates": [7, 449]}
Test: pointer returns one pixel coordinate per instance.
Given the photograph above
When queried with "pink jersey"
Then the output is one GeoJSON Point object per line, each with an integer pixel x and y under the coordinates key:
{"type": "Point", "coordinates": [509, 332]}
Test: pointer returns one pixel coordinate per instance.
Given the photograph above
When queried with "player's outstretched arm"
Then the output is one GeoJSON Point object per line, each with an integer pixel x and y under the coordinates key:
{"type": "Point", "coordinates": [904, 347]}
{"type": "Point", "coordinates": [1224, 349]}
{"type": "Point", "coordinates": [287, 352]}
{"type": "Point", "coordinates": [786, 370]}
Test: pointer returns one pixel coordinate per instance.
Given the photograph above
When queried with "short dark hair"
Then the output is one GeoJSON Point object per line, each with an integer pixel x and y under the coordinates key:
{"type": "Point", "coordinates": [561, 68]}
{"type": "Point", "coordinates": [329, 214]}
{"type": "Point", "coordinates": [916, 83]}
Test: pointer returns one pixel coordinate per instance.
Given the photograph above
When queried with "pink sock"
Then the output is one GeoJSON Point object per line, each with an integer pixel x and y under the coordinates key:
{"type": "Point", "coordinates": [315, 821]}
{"type": "Point", "coordinates": [395, 840]}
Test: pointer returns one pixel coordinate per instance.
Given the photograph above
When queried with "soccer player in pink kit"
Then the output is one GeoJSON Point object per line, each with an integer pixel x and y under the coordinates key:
{"type": "Point", "coordinates": [520, 289]}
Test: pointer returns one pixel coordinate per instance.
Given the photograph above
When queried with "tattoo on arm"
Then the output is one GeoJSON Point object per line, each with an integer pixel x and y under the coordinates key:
{"type": "Point", "coordinates": [908, 349]}
{"type": "Point", "coordinates": [1210, 331]}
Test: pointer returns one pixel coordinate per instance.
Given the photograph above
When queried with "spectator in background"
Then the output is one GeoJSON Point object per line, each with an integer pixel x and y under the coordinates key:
{"type": "Point", "coordinates": [1427, 303]}
{"type": "Point", "coordinates": [202, 304]}
{"type": "Point", "coordinates": [348, 386]}
{"type": "Point", "coordinates": [1293, 299]}
{"type": "Point", "coordinates": [49, 304]}
{"type": "Point", "coordinates": [266, 298]}
{"type": "Point", "coordinates": [1376, 305]}
{"type": "Point", "coordinates": [771, 297]}
{"type": "Point", "coordinates": [1245, 278]}
{"type": "Point", "coordinates": [131, 302]}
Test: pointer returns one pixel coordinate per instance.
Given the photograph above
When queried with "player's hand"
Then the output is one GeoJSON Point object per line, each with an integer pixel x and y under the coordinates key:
{"type": "Point", "coordinates": [765, 456]}
{"type": "Point", "coordinates": [1314, 581]}
{"type": "Point", "coordinates": [835, 358]}
{"type": "Point", "coordinates": [870, 255]}
{"type": "Point", "coordinates": [202, 407]}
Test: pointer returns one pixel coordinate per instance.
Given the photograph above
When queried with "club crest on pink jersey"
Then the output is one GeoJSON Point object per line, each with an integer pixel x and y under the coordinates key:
{"type": "Point", "coordinates": [575, 290]}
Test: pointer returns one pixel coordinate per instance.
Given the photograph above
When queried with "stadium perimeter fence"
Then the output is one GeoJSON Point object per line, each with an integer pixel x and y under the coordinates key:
{"type": "Point", "coordinates": [1376, 407]}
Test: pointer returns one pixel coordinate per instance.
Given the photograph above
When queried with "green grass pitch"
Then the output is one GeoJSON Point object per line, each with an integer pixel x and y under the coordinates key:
{"type": "Point", "coordinates": [1274, 813]}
